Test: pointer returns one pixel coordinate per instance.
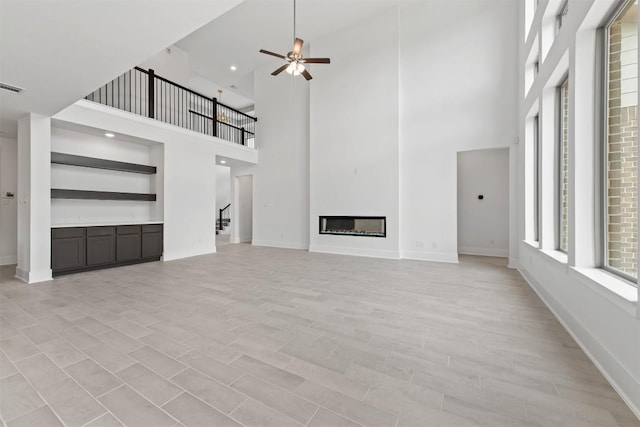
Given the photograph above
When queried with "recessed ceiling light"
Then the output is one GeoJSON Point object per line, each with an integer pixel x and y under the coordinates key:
{"type": "Point", "coordinates": [233, 68]}
{"type": "Point", "coordinates": [109, 135]}
{"type": "Point", "coordinates": [223, 161]}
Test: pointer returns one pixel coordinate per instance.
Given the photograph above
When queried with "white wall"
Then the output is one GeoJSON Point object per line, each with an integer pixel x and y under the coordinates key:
{"type": "Point", "coordinates": [223, 186]}
{"type": "Point", "coordinates": [281, 179]}
{"type": "Point", "coordinates": [245, 208]}
{"type": "Point", "coordinates": [66, 211]}
{"type": "Point", "coordinates": [483, 225]}
{"type": "Point", "coordinates": [458, 89]}
{"type": "Point", "coordinates": [427, 80]}
{"type": "Point", "coordinates": [354, 134]}
{"type": "Point", "coordinates": [8, 205]}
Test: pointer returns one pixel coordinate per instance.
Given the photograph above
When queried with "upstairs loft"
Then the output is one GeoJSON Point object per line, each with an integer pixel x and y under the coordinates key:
{"type": "Point", "coordinates": [147, 94]}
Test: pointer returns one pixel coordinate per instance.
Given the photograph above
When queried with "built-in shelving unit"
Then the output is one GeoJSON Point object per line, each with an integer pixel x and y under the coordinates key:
{"type": "Point", "coordinates": [95, 163]}
{"type": "Point", "coordinates": [92, 162]}
{"type": "Point", "coordinates": [58, 193]}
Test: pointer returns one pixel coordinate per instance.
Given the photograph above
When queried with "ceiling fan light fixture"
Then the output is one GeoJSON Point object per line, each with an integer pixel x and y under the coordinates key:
{"type": "Point", "coordinates": [295, 68]}
{"type": "Point", "coordinates": [294, 60]}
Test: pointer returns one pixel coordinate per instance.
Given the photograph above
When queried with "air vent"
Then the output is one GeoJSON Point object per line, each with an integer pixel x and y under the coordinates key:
{"type": "Point", "coordinates": [10, 88]}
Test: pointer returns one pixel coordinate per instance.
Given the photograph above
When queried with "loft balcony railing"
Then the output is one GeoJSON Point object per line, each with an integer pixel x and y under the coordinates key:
{"type": "Point", "coordinates": [145, 93]}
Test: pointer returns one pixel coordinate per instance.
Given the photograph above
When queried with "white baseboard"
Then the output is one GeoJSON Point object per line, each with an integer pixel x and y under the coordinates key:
{"type": "Point", "coordinates": [173, 255]}
{"type": "Point", "coordinates": [280, 244]}
{"type": "Point", "coordinates": [371, 253]}
{"type": "Point", "coordinates": [8, 259]}
{"type": "Point", "coordinates": [473, 250]}
{"type": "Point", "coordinates": [595, 351]}
{"type": "Point", "coordinates": [34, 276]}
{"type": "Point", "coordinates": [430, 256]}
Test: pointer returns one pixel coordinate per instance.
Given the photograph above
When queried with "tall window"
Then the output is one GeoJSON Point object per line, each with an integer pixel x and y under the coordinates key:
{"type": "Point", "coordinates": [563, 214]}
{"type": "Point", "coordinates": [621, 159]}
{"type": "Point", "coordinates": [536, 179]}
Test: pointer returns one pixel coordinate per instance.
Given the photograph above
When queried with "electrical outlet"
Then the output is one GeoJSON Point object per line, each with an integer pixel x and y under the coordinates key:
{"type": "Point", "coordinates": [419, 244]}
{"type": "Point", "coordinates": [434, 245]}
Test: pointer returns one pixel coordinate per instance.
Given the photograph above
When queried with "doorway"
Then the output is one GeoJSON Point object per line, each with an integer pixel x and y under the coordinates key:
{"type": "Point", "coordinates": [244, 204]}
{"type": "Point", "coordinates": [483, 202]}
{"type": "Point", "coordinates": [223, 200]}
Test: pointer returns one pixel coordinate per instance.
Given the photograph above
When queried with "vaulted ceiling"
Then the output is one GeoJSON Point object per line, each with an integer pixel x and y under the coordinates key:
{"type": "Point", "coordinates": [61, 50]}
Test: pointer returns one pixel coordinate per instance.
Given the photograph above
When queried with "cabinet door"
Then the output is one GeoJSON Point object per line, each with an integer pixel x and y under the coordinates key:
{"type": "Point", "coordinates": [128, 247]}
{"type": "Point", "coordinates": [101, 250]}
{"type": "Point", "coordinates": [67, 254]}
{"type": "Point", "coordinates": [151, 245]}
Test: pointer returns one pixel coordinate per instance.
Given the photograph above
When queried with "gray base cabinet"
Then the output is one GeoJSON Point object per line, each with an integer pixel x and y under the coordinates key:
{"type": "Point", "coordinates": [68, 248]}
{"type": "Point", "coordinates": [101, 246]}
{"type": "Point", "coordinates": [151, 241]}
{"type": "Point", "coordinates": [129, 243]}
{"type": "Point", "coordinates": [89, 248]}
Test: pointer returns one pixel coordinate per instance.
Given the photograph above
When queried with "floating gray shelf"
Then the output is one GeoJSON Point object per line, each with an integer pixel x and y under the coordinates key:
{"type": "Point", "coordinates": [92, 162]}
{"type": "Point", "coordinates": [57, 193]}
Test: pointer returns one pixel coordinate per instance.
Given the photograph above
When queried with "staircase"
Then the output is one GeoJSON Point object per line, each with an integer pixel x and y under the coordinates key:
{"type": "Point", "coordinates": [224, 220]}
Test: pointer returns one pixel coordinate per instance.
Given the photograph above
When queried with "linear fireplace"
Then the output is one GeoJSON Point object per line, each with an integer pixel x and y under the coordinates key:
{"type": "Point", "coordinates": [372, 226]}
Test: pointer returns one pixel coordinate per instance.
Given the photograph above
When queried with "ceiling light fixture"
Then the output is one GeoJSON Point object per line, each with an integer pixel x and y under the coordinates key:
{"type": "Point", "coordinates": [222, 117]}
{"type": "Point", "coordinates": [295, 68]}
{"type": "Point", "coordinates": [223, 161]}
{"type": "Point", "coordinates": [109, 135]}
{"type": "Point", "coordinates": [233, 68]}
{"type": "Point", "coordinates": [295, 60]}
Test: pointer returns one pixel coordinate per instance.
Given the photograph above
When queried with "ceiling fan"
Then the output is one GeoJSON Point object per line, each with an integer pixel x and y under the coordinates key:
{"type": "Point", "coordinates": [294, 59]}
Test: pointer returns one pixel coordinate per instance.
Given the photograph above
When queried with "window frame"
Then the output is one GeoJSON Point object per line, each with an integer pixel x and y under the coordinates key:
{"type": "Point", "coordinates": [562, 15]}
{"type": "Point", "coordinates": [558, 153]}
{"type": "Point", "coordinates": [603, 119]}
{"type": "Point", "coordinates": [537, 166]}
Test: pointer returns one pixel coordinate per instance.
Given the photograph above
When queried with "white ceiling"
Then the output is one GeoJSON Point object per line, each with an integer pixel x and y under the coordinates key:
{"type": "Point", "coordinates": [236, 37]}
{"type": "Point", "coordinates": [61, 50]}
{"type": "Point", "coordinates": [229, 97]}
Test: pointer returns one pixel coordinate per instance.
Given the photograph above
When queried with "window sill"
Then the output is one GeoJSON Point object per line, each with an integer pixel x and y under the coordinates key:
{"type": "Point", "coordinates": [557, 255]}
{"type": "Point", "coordinates": [609, 285]}
{"type": "Point", "coordinates": [615, 289]}
{"type": "Point", "coordinates": [551, 253]}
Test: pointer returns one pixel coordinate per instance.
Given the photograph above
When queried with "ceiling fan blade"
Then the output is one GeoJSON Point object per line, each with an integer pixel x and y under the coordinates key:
{"type": "Point", "coordinates": [297, 46]}
{"type": "Point", "coordinates": [317, 60]}
{"type": "Point", "coordinates": [306, 75]}
{"type": "Point", "coordinates": [277, 55]}
{"type": "Point", "coordinates": [279, 70]}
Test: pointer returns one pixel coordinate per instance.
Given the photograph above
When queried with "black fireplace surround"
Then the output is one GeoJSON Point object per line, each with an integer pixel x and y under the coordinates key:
{"type": "Point", "coordinates": [369, 226]}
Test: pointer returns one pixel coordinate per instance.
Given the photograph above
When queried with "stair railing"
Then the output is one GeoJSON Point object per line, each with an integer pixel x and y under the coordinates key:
{"type": "Point", "coordinates": [224, 217]}
{"type": "Point", "coordinates": [145, 93]}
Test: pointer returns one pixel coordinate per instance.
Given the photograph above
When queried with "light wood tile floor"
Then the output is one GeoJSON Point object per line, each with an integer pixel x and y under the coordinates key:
{"type": "Point", "coordinates": [272, 337]}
